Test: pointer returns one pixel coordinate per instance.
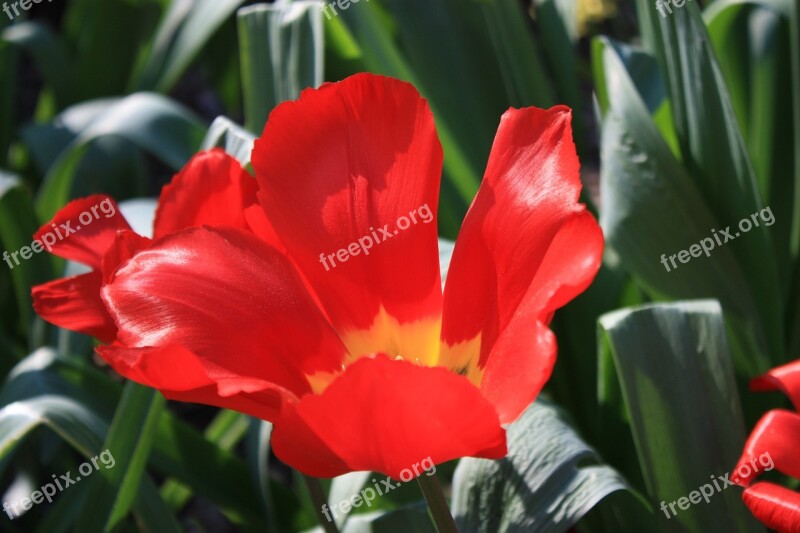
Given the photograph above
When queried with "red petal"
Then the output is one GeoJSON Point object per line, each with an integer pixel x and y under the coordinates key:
{"type": "Point", "coordinates": [229, 298]}
{"type": "Point", "coordinates": [386, 416]}
{"type": "Point", "coordinates": [776, 507]}
{"type": "Point", "coordinates": [344, 163]}
{"type": "Point", "coordinates": [526, 248]}
{"type": "Point", "coordinates": [74, 304]}
{"type": "Point", "coordinates": [773, 442]}
{"type": "Point", "coordinates": [212, 189]}
{"type": "Point", "coordinates": [125, 246]}
{"type": "Point", "coordinates": [84, 229]}
{"type": "Point", "coordinates": [784, 378]}
{"type": "Point", "coordinates": [181, 375]}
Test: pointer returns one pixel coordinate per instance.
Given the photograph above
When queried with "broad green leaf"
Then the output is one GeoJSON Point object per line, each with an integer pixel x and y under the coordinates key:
{"type": "Point", "coordinates": [82, 429]}
{"type": "Point", "coordinates": [794, 32]}
{"type": "Point", "coordinates": [63, 511]}
{"type": "Point", "coordinates": [177, 452]}
{"type": "Point", "coordinates": [184, 30]}
{"type": "Point", "coordinates": [645, 190]}
{"type": "Point", "coordinates": [71, 420]}
{"type": "Point", "coordinates": [714, 152]}
{"type": "Point", "coordinates": [39, 41]}
{"type": "Point", "coordinates": [46, 141]}
{"type": "Point", "coordinates": [225, 431]}
{"type": "Point", "coordinates": [573, 384]}
{"type": "Point", "coordinates": [281, 52]}
{"type": "Point", "coordinates": [674, 369]}
{"type": "Point", "coordinates": [152, 122]}
{"type": "Point", "coordinates": [343, 488]}
{"type": "Point", "coordinates": [557, 24]}
{"type": "Point", "coordinates": [106, 38]}
{"type": "Point", "coordinates": [9, 62]}
{"type": "Point", "coordinates": [110, 164]}
{"type": "Point", "coordinates": [257, 453]}
{"type": "Point", "coordinates": [129, 441]}
{"type": "Point", "coordinates": [234, 139]}
{"type": "Point", "coordinates": [177, 447]}
{"type": "Point", "coordinates": [18, 223]}
{"type": "Point", "coordinates": [544, 484]}
{"type": "Point", "coordinates": [151, 513]}
{"type": "Point", "coordinates": [518, 54]}
{"type": "Point", "coordinates": [751, 40]}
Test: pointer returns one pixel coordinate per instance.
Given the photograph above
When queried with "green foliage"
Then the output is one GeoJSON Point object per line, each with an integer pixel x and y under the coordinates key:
{"type": "Point", "coordinates": [544, 484]}
{"type": "Point", "coordinates": [673, 368]}
{"type": "Point", "coordinates": [696, 128]}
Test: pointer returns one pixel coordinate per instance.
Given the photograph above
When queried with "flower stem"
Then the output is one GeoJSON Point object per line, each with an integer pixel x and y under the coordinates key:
{"type": "Point", "coordinates": [437, 505]}
{"type": "Point", "coordinates": [319, 501]}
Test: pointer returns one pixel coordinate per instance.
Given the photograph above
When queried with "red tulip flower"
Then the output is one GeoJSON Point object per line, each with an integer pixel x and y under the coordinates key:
{"type": "Point", "coordinates": [322, 310]}
{"type": "Point", "coordinates": [778, 435]}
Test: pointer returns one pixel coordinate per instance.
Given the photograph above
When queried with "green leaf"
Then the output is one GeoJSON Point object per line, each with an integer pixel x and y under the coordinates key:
{"type": "Point", "coordinates": [345, 487]}
{"type": "Point", "coordinates": [48, 53]}
{"type": "Point", "coordinates": [183, 32]}
{"type": "Point", "coordinates": [518, 54]}
{"type": "Point", "coordinates": [152, 122]}
{"type": "Point", "coordinates": [80, 427]}
{"type": "Point", "coordinates": [234, 139]}
{"type": "Point", "coordinates": [539, 486]}
{"type": "Point", "coordinates": [9, 90]}
{"type": "Point", "coordinates": [281, 53]}
{"type": "Point", "coordinates": [752, 42]}
{"type": "Point", "coordinates": [257, 453]}
{"type": "Point", "coordinates": [177, 452]}
{"type": "Point", "coordinates": [71, 420]}
{"type": "Point", "coordinates": [113, 490]}
{"type": "Point", "coordinates": [225, 431]}
{"type": "Point", "coordinates": [177, 447]}
{"type": "Point", "coordinates": [107, 38]}
{"type": "Point", "coordinates": [714, 152]}
{"type": "Point", "coordinates": [645, 190]}
{"type": "Point", "coordinates": [676, 377]}
{"type": "Point", "coordinates": [18, 223]}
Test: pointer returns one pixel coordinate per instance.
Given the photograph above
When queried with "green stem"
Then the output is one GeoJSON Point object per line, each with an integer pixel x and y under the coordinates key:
{"type": "Point", "coordinates": [437, 504]}
{"type": "Point", "coordinates": [319, 501]}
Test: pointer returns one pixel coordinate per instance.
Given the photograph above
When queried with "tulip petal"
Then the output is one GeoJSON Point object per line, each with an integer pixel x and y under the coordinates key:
{"type": "Point", "coordinates": [784, 378]}
{"type": "Point", "coordinates": [375, 159]}
{"type": "Point", "coordinates": [182, 376]}
{"type": "Point", "coordinates": [386, 415]}
{"type": "Point", "coordinates": [74, 303]}
{"type": "Point", "coordinates": [773, 441]}
{"type": "Point", "coordinates": [526, 248]}
{"type": "Point", "coordinates": [226, 296]}
{"type": "Point", "coordinates": [212, 189]}
{"type": "Point", "coordinates": [86, 240]}
{"type": "Point", "coordinates": [776, 507]}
